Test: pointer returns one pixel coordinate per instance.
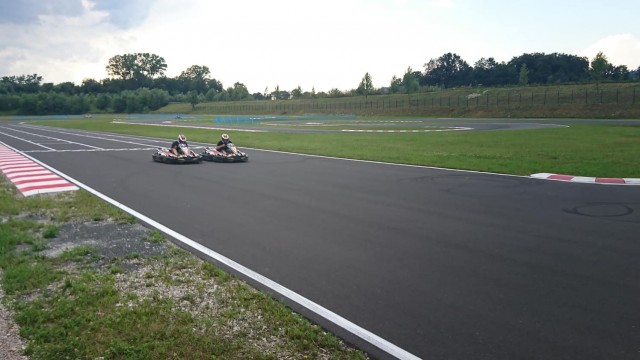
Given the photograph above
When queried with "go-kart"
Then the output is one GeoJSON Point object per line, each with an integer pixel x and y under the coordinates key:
{"type": "Point", "coordinates": [165, 155]}
{"type": "Point", "coordinates": [231, 154]}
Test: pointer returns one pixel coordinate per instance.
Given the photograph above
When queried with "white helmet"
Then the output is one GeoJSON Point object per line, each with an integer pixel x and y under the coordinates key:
{"type": "Point", "coordinates": [182, 138]}
{"type": "Point", "coordinates": [225, 137]}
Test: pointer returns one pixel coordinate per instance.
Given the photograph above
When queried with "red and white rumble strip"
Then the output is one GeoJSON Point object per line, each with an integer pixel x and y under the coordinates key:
{"type": "Point", "coordinates": [28, 176]}
{"type": "Point", "coordinates": [585, 179]}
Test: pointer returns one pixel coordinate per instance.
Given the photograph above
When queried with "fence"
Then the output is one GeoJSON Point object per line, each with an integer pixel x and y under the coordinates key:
{"type": "Point", "coordinates": [432, 101]}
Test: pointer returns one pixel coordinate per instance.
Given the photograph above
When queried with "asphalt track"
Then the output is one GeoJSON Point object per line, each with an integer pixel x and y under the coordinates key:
{"type": "Point", "coordinates": [443, 264]}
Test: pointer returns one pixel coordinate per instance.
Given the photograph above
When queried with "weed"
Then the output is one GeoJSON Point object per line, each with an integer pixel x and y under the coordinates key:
{"type": "Point", "coordinates": [155, 237]}
{"type": "Point", "coordinates": [78, 253]}
{"type": "Point", "coordinates": [50, 232]}
{"type": "Point", "coordinates": [115, 269]}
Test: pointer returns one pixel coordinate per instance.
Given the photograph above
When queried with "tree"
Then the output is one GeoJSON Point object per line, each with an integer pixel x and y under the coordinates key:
{"type": "Point", "coordinates": [523, 79]}
{"type": "Point", "coordinates": [487, 71]}
{"type": "Point", "coordinates": [193, 98]}
{"type": "Point", "coordinates": [22, 83]}
{"type": "Point", "coordinates": [396, 85]}
{"type": "Point", "coordinates": [196, 78]}
{"type": "Point", "coordinates": [296, 93]}
{"type": "Point", "coordinates": [599, 66]}
{"type": "Point", "coordinates": [551, 68]}
{"type": "Point", "coordinates": [138, 67]}
{"type": "Point", "coordinates": [366, 86]}
{"type": "Point", "coordinates": [617, 73]}
{"type": "Point", "coordinates": [65, 87]}
{"type": "Point", "coordinates": [103, 102]}
{"type": "Point", "coordinates": [447, 70]}
{"type": "Point", "coordinates": [278, 94]}
{"type": "Point", "coordinates": [238, 92]}
{"type": "Point", "coordinates": [211, 94]}
{"type": "Point", "coordinates": [334, 93]}
{"type": "Point", "coordinates": [90, 86]}
{"type": "Point", "coordinates": [410, 81]}
{"type": "Point", "coordinates": [215, 85]}
{"type": "Point", "coordinates": [258, 96]}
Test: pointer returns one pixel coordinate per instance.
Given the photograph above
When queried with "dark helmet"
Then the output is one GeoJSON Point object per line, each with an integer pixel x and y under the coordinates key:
{"type": "Point", "coordinates": [182, 138]}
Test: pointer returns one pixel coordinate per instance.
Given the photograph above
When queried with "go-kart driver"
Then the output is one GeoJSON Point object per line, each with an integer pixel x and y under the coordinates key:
{"type": "Point", "coordinates": [176, 149]}
{"type": "Point", "coordinates": [223, 144]}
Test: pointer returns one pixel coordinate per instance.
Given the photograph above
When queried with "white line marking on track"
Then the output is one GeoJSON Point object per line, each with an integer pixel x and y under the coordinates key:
{"type": "Point", "coordinates": [84, 134]}
{"type": "Point", "coordinates": [186, 126]}
{"type": "Point", "coordinates": [25, 140]}
{"type": "Point", "coordinates": [96, 150]}
{"type": "Point", "coordinates": [456, 128]}
{"type": "Point", "coordinates": [57, 139]}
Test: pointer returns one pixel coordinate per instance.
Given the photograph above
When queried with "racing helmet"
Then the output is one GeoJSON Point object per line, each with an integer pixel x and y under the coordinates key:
{"type": "Point", "coordinates": [225, 138]}
{"type": "Point", "coordinates": [182, 138]}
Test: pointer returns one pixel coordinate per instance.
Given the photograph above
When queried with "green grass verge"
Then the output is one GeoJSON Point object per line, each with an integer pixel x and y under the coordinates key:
{"type": "Point", "coordinates": [581, 149]}
{"type": "Point", "coordinates": [70, 307]}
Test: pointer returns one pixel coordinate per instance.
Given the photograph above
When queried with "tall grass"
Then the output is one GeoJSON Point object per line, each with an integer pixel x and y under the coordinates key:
{"type": "Point", "coordinates": [619, 100]}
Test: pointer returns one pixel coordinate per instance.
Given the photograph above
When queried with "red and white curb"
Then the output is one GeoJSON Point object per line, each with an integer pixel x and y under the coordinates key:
{"type": "Point", "coordinates": [588, 180]}
{"type": "Point", "coordinates": [28, 176]}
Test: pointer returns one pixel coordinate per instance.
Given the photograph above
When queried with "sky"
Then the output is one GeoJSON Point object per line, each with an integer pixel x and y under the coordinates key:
{"type": "Point", "coordinates": [319, 45]}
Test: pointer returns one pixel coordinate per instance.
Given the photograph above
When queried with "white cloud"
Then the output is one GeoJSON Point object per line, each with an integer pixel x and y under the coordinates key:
{"type": "Point", "coordinates": [284, 43]}
{"type": "Point", "coordinates": [447, 4]}
{"type": "Point", "coordinates": [59, 47]}
{"type": "Point", "coordinates": [290, 43]}
{"type": "Point", "coordinates": [620, 49]}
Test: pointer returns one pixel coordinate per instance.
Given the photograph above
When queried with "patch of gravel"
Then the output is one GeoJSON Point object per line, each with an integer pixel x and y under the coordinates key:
{"type": "Point", "coordinates": [111, 239]}
{"type": "Point", "coordinates": [158, 270]}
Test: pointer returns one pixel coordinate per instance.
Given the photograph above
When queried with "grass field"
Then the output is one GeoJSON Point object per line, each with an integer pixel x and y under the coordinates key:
{"type": "Point", "coordinates": [581, 149]}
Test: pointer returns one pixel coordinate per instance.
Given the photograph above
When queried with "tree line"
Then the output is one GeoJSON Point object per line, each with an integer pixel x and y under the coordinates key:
{"type": "Point", "coordinates": [137, 83]}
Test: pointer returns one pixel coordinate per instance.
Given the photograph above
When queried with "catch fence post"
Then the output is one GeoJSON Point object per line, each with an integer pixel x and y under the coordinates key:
{"type": "Point", "coordinates": [586, 97]}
